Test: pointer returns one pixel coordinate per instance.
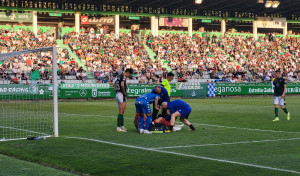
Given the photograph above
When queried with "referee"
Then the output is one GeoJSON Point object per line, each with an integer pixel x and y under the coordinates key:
{"type": "Point", "coordinates": [166, 82]}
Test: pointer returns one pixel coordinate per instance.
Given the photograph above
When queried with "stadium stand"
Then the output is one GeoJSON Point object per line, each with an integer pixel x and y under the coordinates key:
{"type": "Point", "coordinates": [204, 57]}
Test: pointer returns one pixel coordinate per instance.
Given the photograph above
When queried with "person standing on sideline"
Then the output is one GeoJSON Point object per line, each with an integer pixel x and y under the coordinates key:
{"type": "Point", "coordinates": [121, 98]}
{"type": "Point", "coordinates": [279, 94]}
{"type": "Point", "coordinates": [166, 82]}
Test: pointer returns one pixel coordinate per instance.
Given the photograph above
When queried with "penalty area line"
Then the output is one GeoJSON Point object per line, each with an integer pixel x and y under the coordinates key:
{"type": "Point", "coordinates": [199, 124]}
{"type": "Point", "coordinates": [186, 155]}
{"type": "Point", "coordinates": [249, 129]}
{"type": "Point", "coordinates": [226, 143]}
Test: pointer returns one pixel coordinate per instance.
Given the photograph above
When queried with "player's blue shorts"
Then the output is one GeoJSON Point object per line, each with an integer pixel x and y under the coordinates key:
{"type": "Point", "coordinates": [185, 112]}
{"type": "Point", "coordinates": [142, 107]}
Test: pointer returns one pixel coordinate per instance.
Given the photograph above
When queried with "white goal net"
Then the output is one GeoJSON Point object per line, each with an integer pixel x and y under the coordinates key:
{"type": "Point", "coordinates": [28, 94]}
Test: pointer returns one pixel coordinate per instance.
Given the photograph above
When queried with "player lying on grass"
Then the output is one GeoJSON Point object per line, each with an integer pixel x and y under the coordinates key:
{"type": "Point", "coordinates": [164, 119]}
{"type": "Point", "coordinates": [178, 108]}
{"type": "Point", "coordinates": [142, 105]}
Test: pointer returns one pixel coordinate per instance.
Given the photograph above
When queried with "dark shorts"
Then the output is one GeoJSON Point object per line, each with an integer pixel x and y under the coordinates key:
{"type": "Point", "coordinates": [185, 112]}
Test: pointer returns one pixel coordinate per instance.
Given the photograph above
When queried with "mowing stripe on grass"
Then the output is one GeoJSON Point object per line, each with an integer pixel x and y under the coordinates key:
{"type": "Point", "coordinates": [200, 124]}
{"type": "Point", "coordinates": [226, 143]}
{"type": "Point", "coordinates": [186, 155]}
{"type": "Point", "coordinates": [250, 129]}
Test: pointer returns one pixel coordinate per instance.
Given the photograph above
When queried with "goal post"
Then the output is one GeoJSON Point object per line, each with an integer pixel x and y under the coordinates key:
{"type": "Point", "coordinates": [27, 109]}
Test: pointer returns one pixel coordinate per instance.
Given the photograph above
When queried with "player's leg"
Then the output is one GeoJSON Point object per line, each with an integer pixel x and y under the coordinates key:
{"type": "Point", "coordinates": [276, 101]}
{"type": "Point", "coordinates": [158, 120]}
{"type": "Point", "coordinates": [148, 122]}
{"type": "Point", "coordinates": [139, 110]}
{"type": "Point", "coordinates": [147, 110]}
{"type": "Point", "coordinates": [155, 111]}
{"type": "Point", "coordinates": [281, 102]}
{"type": "Point", "coordinates": [121, 101]}
{"type": "Point", "coordinates": [173, 119]}
{"type": "Point", "coordinates": [185, 115]}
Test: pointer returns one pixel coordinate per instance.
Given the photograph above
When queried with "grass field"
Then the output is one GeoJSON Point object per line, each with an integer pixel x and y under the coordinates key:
{"type": "Point", "coordinates": [234, 136]}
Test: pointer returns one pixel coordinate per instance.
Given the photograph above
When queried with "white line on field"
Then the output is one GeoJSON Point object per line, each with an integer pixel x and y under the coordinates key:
{"type": "Point", "coordinates": [203, 124]}
{"type": "Point", "coordinates": [250, 129]}
{"type": "Point", "coordinates": [226, 143]}
{"type": "Point", "coordinates": [90, 115]}
{"type": "Point", "coordinates": [19, 129]}
{"type": "Point", "coordinates": [186, 155]}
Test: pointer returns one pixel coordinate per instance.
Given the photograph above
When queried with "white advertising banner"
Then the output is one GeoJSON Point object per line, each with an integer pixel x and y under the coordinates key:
{"type": "Point", "coordinates": [268, 22]}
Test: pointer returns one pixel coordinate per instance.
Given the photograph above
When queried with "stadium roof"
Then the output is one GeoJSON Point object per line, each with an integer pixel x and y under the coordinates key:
{"type": "Point", "coordinates": [286, 7]}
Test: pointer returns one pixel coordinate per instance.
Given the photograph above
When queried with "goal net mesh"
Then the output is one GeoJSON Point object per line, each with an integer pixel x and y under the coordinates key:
{"type": "Point", "coordinates": [26, 94]}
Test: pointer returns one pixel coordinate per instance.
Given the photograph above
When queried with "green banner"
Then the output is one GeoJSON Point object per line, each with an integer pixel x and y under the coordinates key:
{"type": "Point", "coordinates": [23, 91]}
{"type": "Point", "coordinates": [251, 88]}
{"type": "Point", "coordinates": [11, 16]}
{"type": "Point", "coordinates": [85, 86]}
{"type": "Point", "coordinates": [135, 90]}
{"type": "Point", "coordinates": [186, 90]}
{"type": "Point", "coordinates": [56, 14]}
{"type": "Point", "coordinates": [192, 90]}
{"type": "Point", "coordinates": [134, 17]}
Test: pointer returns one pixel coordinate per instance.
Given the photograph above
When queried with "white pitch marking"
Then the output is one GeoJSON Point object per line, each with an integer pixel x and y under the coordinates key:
{"type": "Point", "coordinates": [226, 143]}
{"type": "Point", "coordinates": [250, 129]}
{"type": "Point", "coordinates": [203, 124]}
{"type": "Point", "coordinates": [19, 129]}
{"type": "Point", "coordinates": [186, 155]}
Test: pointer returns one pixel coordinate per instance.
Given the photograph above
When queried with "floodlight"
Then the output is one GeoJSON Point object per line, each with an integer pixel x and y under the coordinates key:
{"type": "Point", "coordinates": [198, 1]}
{"type": "Point", "coordinates": [260, 1]}
{"type": "Point", "coordinates": [275, 4]}
{"type": "Point", "coordinates": [268, 4]}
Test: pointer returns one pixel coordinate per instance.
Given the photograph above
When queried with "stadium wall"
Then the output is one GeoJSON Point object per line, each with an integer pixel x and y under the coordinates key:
{"type": "Point", "coordinates": [84, 90]}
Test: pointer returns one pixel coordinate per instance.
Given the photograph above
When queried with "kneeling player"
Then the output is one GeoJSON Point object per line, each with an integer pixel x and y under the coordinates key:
{"type": "Point", "coordinates": [142, 105]}
{"type": "Point", "coordinates": [178, 108]}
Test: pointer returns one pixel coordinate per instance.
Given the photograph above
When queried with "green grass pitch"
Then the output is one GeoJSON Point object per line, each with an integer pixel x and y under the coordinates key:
{"type": "Point", "coordinates": [234, 136]}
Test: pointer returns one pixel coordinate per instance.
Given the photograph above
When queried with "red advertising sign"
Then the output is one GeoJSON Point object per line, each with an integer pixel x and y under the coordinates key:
{"type": "Point", "coordinates": [175, 22]}
{"type": "Point", "coordinates": [98, 20]}
{"type": "Point", "coordinates": [84, 20]}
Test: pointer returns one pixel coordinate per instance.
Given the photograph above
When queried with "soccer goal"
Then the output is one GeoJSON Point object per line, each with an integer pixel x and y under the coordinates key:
{"type": "Point", "coordinates": [28, 94]}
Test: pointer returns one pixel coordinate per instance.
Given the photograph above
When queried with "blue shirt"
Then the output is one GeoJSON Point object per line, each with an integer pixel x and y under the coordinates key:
{"type": "Point", "coordinates": [148, 98]}
{"type": "Point", "coordinates": [177, 105]}
{"type": "Point", "coordinates": [164, 96]}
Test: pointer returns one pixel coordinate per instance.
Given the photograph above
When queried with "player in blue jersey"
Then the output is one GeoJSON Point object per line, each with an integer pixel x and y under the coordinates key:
{"type": "Point", "coordinates": [142, 105]}
{"type": "Point", "coordinates": [164, 97]}
{"type": "Point", "coordinates": [178, 108]}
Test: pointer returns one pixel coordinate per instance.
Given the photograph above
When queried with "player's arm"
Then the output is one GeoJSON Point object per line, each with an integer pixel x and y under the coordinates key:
{"type": "Point", "coordinates": [156, 103]}
{"type": "Point", "coordinates": [284, 90]}
{"type": "Point", "coordinates": [115, 87]}
{"type": "Point", "coordinates": [123, 88]}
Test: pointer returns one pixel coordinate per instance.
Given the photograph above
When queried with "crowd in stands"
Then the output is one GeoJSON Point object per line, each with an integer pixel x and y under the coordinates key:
{"type": "Point", "coordinates": [104, 56]}
{"type": "Point", "coordinates": [34, 66]}
{"type": "Point", "coordinates": [229, 58]}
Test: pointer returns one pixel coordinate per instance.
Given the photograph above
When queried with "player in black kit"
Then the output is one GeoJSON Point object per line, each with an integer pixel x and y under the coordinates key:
{"type": "Point", "coordinates": [121, 97]}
